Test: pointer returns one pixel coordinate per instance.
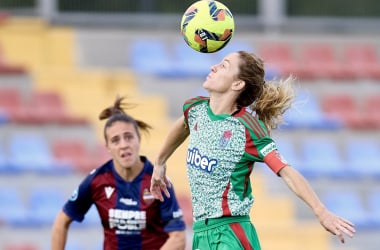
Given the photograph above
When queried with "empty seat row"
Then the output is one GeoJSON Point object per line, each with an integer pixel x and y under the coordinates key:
{"type": "Point", "coordinates": [321, 60]}
{"type": "Point", "coordinates": [309, 61]}
{"type": "Point", "coordinates": [32, 152]}
{"type": "Point", "coordinates": [37, 208]}
{"type": "Point", "coordinates": [362, 210]}
{"type": "Point", "coordinates": [323, 157]}
{"type": "Point", "coordinates": [40, 108]}
{"type": "Point", "coordinates": [333, 111]}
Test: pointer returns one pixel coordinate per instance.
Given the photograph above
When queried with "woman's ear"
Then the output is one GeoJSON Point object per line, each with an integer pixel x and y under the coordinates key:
{"type": "Point", "coordinates": [238, 85]}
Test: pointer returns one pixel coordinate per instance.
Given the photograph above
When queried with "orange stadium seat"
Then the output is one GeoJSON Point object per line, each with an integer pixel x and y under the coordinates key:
{"type": "Point", "coordinates": [7, 68]}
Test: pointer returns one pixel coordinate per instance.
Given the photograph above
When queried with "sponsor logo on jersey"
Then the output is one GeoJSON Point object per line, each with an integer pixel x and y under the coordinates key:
{"type": "Point", "coordinates": [128, 202]}
{"type": "Point", "coordinates": [226, 138]}
{"type": "Point", "coordinates": [148, 198]}
{"type": "Point", "coordinates": [195, 159]}
{"type": "Point", "coordinates": [267, 149]}
{"type": "Point", "coordinates": [177, 214]}
{"type": "Point", "coordinates": [127, 221]}
{"type": "Point", "coordinates": [109, 191]}
{"type": "Point", "coordinates": [74, 195]}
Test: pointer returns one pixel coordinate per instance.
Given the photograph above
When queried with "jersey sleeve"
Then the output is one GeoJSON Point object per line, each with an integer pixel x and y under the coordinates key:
{"type": "Point", "coordinates": [269, 154]}
{"type": "Point", "coordinates": [80, 200]}
{"type": "Point", "coordinates": [171, 213]}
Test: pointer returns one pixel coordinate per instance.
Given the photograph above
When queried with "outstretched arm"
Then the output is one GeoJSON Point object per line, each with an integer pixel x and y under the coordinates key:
{"type": "Point", "coordinates": [59, 231]}
{"type": "Point", "coordinates": [331, 222]}
{"type": "Point", "coordinates": [177, 135]}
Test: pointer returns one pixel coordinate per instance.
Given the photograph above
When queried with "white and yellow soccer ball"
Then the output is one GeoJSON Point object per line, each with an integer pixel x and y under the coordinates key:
{"type": "Point", "coordinates": [207, 26]}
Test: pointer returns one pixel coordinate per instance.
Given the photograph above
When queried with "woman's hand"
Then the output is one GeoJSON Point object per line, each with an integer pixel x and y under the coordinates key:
{"type": "Point", "coordinates": [336, 225]}
{"type": "Point", "coordinates": [159, 182]}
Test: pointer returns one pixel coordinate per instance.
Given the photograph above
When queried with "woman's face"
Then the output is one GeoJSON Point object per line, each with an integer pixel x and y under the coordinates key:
{"type": "Point", "coordinates": [223, 74]}
{"type": "Point", "coordinates": [123, 143]}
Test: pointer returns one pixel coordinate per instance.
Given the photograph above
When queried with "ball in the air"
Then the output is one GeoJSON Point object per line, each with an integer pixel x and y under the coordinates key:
{"type": "Point", "coordinates": [207, 26]}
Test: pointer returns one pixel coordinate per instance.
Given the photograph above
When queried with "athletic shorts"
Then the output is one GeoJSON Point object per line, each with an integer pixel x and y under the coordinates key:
{"type": "Point", "coordinates": [225, 233]}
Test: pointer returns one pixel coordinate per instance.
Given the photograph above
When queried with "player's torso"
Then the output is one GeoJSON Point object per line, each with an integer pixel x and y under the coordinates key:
{"type": "Point", "coordinates": [215, 153]}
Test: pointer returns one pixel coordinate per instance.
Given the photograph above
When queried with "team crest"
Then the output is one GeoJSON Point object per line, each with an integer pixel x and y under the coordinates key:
{"type": "Point", "coordinates": [148, 198]}
{"type": "Point", "coordinates": [226, 138]}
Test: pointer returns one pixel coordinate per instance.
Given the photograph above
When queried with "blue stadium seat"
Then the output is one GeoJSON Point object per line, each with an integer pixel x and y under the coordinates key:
{"type": "Point", "coordinates": [349, 205]}
{"type": "Point", "coordinates": [44, 204]}
{"type": "Point", "coordinates": [362, 156]}
{"type": "Point", "coordinates": [150, 56]}
{"type": "Point", "coordinates": [190, 63]}
{"type": "Point", "coordinates": [307, 112]}
{"type": "Point", "coordinates": [373, 200]}
{"type": "Point", "coordinates": [288, 150]}
{"type": "Point", "coordinates": [4, 162]}
{"type": "Point", "coordinates": [321, 158]}
{"type": "Point", "coordinates": [13, 211]}
{"type": "Point", "coordinates": [30, 152]}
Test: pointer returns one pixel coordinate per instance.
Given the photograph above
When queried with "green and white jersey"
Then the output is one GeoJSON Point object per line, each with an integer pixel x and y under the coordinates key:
{"type": "Point", "coordinates": [220, 158]}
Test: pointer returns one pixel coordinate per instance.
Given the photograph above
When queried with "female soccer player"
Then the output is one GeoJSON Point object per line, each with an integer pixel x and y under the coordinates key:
{"type": "Point", "coordinates": [131, 217]}
{"type": "Point", "coordinates": [230, 131]}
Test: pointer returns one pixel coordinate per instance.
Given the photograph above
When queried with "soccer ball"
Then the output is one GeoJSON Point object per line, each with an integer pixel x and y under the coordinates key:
{"type": "Point", "coordinates": [207, 26]}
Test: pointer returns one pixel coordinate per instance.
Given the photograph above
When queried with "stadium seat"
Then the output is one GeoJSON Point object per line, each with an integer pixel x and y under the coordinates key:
{"type": "Point", "coordinates": [150, 56]}
{"type": "Point", "coordinates": [279, 58]}
{"type": "Point", "coordinates": [306, 112]}
{"type": "Point", "coordinates": [13, 211]}
{"type": "Point", "coordinates": [21, 246]}
{"type": "Point", "coordinates": [373, 201]}
{"type": "Point", "coordinates": [10, 102]}
{"type": "Point", "coordinates": [321, 158]}
{"type": "Point", "coordinates": [44, 204]}
{"type": "Point", "coordinates": [30, 152]}
{"type": "Point", "coordinates": [348, 204]}
{"type": "Point", "coordinates": [288, 150]}
{"type": "Point", "coordinates": [4, 162]}
{"type": "Point", "coordinates": [319, 61]}
{"type": "Point", "coordinates": [46, 107]}
{"type": "Point", "coordinates": [361, 61]}
{"type": "Point", "coordinates": [73, 153]}
{"type": "Point", "coordinates": [371, 112]}
{"type": "Point", "coordinates": [362, 157]}
{"type": "Point", "coordinates": [7, 68]}
{"type": "Point", "coordinates": [190, 63]}
{"type": "Point", "coordinates": [344, 107]}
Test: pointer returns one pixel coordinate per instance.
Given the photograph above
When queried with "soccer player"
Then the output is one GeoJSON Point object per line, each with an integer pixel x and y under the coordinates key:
{"type": "Point", "coordinates": [131, 217]}
{"type": "Point", "coordinates": [230, 131]}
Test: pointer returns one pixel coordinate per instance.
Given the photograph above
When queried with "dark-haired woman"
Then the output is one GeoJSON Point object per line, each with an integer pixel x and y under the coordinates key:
{"type": "Point", "coordinates": [131, 217]}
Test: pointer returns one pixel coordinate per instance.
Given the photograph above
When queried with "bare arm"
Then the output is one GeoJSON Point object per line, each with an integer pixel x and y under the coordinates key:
{"type": "Point", "coordinates": [176, 241]}
{"type": "Point", "coordinates": [59, 231]}
{"type": "Point", "coordinates": [177, 135]}
{"type": "Point", "coordinates": [331, 222]}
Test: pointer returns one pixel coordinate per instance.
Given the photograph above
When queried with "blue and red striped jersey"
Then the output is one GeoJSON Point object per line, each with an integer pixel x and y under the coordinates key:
{"type": "Point", "coordinates": [131, 217]}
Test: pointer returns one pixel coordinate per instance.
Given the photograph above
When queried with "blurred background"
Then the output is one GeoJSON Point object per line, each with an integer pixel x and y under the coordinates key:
{"type": "Point", "coordinates": [63, 61]}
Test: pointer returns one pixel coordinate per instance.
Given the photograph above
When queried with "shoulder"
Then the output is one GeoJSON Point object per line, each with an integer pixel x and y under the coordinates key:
{"type": "Point", "coordinates": [253, 124]}
{"type": "Point", "coordinates": [195, 101]}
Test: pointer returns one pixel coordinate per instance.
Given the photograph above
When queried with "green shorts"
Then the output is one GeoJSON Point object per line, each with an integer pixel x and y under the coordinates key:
{"type": "Point", "coordinates": [226, 233]}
